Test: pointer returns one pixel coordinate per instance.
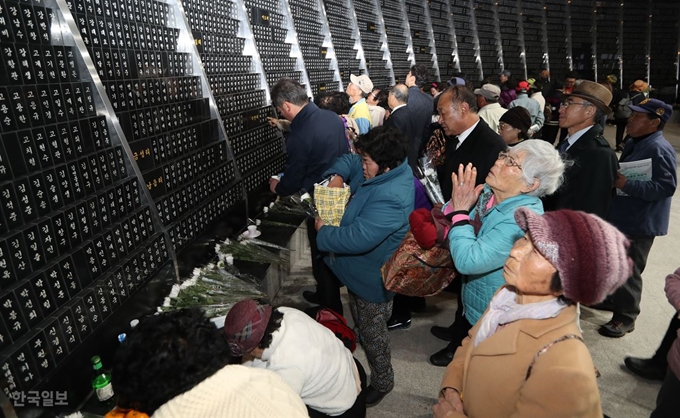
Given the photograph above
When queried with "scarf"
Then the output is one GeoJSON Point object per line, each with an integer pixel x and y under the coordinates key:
{"type": "Point", "coordinates": [503, 309]}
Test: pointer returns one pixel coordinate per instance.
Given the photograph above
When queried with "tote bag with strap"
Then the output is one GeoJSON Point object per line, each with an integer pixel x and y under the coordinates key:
{"type": "Point", "coordinates": [415, 271]}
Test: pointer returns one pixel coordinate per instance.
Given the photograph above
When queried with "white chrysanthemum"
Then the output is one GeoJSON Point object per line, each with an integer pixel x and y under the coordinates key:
{"type": "Point", "coordinates": [174, 291]}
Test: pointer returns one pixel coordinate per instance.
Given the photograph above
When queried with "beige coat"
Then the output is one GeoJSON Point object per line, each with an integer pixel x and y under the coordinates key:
{"type": "Point", "coordinates": [491, 377]}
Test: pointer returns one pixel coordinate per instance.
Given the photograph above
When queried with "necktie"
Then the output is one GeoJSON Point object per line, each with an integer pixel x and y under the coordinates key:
{"type": "Point", "coordinates": [455, 142]}
{"type": "Point", "coordinates": [562, 147]}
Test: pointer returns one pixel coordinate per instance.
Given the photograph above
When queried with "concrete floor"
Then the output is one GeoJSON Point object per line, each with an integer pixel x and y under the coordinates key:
{"type": "Point", "coordinates": [623, 394]}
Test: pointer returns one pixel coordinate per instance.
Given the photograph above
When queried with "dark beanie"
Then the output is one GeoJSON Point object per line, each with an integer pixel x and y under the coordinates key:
{"type": "Point", "coordinates": [518, 117]}
{"type": "Point", "coordinates": [590, 254]}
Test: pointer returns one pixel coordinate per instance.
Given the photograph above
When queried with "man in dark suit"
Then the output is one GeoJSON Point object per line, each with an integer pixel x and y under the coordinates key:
{"type": "Point", "coordinates": [589, 183]}
{"type": "Point", "coordinates": [421, 104]}
{"type": "Point", "coordinates": [403, 118]}
{"type": "Point", "coordinates": [470, 140]}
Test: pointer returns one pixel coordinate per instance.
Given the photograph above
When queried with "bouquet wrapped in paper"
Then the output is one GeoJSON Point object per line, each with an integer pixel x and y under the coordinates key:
{"type": "Point", "coordinates": [331, 202]}
{"type": "Point", "coordinates": [427, 173]}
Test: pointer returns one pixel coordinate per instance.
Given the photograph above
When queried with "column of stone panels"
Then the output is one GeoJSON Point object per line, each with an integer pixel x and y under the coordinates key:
{"type": "Point", "coordinates": [607, 39]}
{"type": "Point", "coordinates": [345, 35]}
{"type": "Point", "coordinates": [508, 15]}
{"type": "Point", "coordinates": [664, 44]}
{"type": "Point", "coordinates": [442, 28]}
{"type": "Point", "coordinates": [309, 27]}
{"type": "Point", "coordinates": [532, 14]}
{"type": "Point", "coordinates": [191, 161]}
{"type": "Point", "coordinates": [634, 30]}
{"type": "Point", "coordinates": [398, 38]}
{"type": "Point", "coordinates": [581, 37]}
{"type": "Point", "coordinates": [557, 32]}
{"type": "Point", "coordinates": [258, 149]}
{"type": "Point", "coordinates": [77, 237]}
{"type": "Point", "coordinates": [464, 37]}
{"type": "Point", "coordinates": [422, 37]}
{"type": "Point", "coordinates": [374, 46]}
{"type": "Point", "coordinates": [487, 37]}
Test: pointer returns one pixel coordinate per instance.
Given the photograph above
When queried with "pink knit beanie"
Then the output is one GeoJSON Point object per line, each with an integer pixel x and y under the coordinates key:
{"type": "Point", "coordinates": [245, 324]}
{"type": "Point", "coordinates": [590, 255]}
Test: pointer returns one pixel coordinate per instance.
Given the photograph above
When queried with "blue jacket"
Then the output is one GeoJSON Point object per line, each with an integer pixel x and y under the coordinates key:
{"type": "Point", "coordinates": [646, 209]}
{"type": "Point", "coordinates": [374, 224]}
{"type": "Point", "coordinates": [480, 258]}
{"type": "Point", "coordinates": [316, 140]}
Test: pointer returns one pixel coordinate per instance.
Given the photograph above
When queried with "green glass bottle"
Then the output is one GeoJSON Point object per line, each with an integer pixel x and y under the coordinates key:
{"type": "Point", "coordinates": [101, 383]}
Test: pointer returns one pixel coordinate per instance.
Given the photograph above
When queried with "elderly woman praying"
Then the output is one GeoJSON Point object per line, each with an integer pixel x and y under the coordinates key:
{"type": "Point", "coordinates": [484, 228]}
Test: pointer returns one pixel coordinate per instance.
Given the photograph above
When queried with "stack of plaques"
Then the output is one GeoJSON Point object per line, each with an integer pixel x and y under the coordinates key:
{"type": "Point", "coordinates": [263, 153]}
{"type": "Point", "coordinates": [557, 33]}
{"type": "Point", "coordinates": [240, 97]}
{"type": "Point", "coordinates": [398, 37]}
{"type": "Point", "coordinates": [268, 23]}
{"type": "Point", "coordinates": [635, 18]}
{"type": "Point", "coordinates": [507, 17]}
{"type": "Point", "coordinates": [486, 32]}
{"type": "Point", "coordinates": [582, 38]}
{"type": "Point", "coordinates": [421, 37]}
{"type": "Point", "coordinates": [533, 37]}
{"type": "Point", "coordinates": [607, 36]}
{"type": "Point", "coordinates": [441, 27]}
{"type": "Point", "coordinates": [370, 29]}
{"type": "Point", "coordinates": [664, 45]}
{"type": "Point", "coordinates": [465, 38]}
{"type": "Point", "coordinates": [76, 238]}
{"type": "Point", "coordinates": [344, 34]}
{"type": "Point", "coordinates": [310, 31]}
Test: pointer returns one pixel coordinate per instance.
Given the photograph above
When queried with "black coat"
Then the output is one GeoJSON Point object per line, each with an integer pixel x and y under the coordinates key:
{"type": "Point", "coordinates": [589, 183]}
{"type": "Point", "coordinates": [316, 140]}
{"type": "Point", "coordinates": [405, 120]}
{"type": "Point", "coordinates": [422, 106]}
{"type": "Point", "coordinates": [480, 148]}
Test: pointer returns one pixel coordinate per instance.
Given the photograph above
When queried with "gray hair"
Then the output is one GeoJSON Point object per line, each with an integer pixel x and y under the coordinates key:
{"type": "Point", "coordinates": [400, 92]}
{"type": "Point", "coordinates": [287, 90]}
{"type": "Point", "coordinates": [541, 162]}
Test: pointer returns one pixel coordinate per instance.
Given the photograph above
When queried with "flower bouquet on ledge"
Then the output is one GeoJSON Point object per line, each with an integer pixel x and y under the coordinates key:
{"type": "Point", "coordinates": [427, 173]}
{"type": "Point", "coordinates": [213, 289]}
{"type": "Point", "coordinates": [251, 250]}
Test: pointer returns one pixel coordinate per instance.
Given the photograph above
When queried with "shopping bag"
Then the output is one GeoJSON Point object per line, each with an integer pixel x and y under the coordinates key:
{"type": "Point", "coordinates": [415, 271]}
{"type": "Point", "coordinates": [330, 202]}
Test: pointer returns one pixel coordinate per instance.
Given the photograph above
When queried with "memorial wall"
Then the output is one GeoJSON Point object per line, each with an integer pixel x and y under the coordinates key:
{"type": "Point", "coordinates": [129, 128]}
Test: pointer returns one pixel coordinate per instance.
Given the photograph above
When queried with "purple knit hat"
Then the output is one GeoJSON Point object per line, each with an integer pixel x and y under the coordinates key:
{"type": "Point", "coordinates": [245, 324]}
{"type": "Point", "coordinates": [590, 255]}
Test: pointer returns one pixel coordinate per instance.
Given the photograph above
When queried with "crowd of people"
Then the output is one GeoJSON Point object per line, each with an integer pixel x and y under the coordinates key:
{"type": "Point", "coordinates": [529, 183]}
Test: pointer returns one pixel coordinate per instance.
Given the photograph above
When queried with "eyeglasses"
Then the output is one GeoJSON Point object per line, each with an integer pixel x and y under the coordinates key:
{"type": "Point", "coordinates": [502, 126]}
{"type": "Point", "coordinates": [570, 103]}
{"type": "Point", "coordinates": [508, 160]}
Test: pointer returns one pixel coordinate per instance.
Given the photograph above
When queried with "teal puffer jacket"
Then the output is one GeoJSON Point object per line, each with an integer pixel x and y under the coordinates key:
{"type": "Point", "coordinates": [374, 224]}
{"type": "Point", "coordinates": [480, 258]}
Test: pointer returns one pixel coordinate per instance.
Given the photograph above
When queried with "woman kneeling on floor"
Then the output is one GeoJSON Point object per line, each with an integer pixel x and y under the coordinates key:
{"type": "Point", "coordinates": [526, 356]}
{"type": "Point", "coordinates": [307, 355]}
